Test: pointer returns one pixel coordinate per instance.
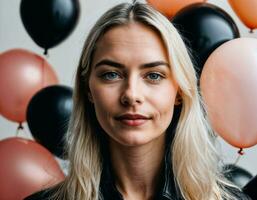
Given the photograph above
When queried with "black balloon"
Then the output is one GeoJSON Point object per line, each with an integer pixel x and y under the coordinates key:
{"type": "Point", "coordinates": [204, 27]}
{"type": "Point", "coordinates": [48, 116]}
{"type": "Point", "coordinates": [251, 188]}
{"type": "Point", "coordinates": [49, 22]}
{"type": "Point", "coordinates": [237, 175]}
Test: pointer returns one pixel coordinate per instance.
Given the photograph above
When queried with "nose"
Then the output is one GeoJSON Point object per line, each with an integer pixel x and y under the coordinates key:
{"type": "Point", "coordinates": [132, 93]}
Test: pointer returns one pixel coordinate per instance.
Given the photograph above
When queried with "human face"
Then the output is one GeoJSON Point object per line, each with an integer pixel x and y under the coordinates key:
{"type": "Point", "coordinates": [131, 85]}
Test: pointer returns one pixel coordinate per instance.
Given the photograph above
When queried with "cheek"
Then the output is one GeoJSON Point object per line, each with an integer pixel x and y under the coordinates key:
{"type": "Point", "coordinates": [97, 91]}
{"type": "Point", "coordinates": [104, 98]}
{"type": "Point", "coordinates": [165, 96]}
{"type": "Point", "coordinates": [164, 100]}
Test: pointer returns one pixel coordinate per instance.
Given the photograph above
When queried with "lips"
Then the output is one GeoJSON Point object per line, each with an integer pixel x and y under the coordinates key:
{"type": "Point", "coordinates": [133, 119]}
{"type": "Point", "coordinates": [132, 116]}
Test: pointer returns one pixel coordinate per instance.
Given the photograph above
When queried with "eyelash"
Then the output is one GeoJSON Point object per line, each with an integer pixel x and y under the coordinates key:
{"type": "Point", "coordinates": [160, 76]}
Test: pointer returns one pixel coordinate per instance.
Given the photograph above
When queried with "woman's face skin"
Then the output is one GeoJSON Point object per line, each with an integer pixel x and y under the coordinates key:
{"type": "Point", "coordinates": [131, 85]}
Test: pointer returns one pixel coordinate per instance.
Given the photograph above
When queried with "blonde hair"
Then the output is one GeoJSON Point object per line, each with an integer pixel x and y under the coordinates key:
{"type": "Point", "coordinates": [194, 159]}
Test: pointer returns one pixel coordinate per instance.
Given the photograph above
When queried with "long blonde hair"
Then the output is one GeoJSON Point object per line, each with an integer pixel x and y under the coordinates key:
{"type": "Point", "coordinates": [194, 159]}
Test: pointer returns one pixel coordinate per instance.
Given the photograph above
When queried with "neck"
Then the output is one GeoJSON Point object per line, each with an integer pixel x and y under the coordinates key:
{"type": "Point", "coordinates": [137, 168]}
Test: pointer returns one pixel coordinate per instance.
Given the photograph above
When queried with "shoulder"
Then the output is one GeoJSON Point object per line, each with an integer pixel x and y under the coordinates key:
{"type": "Point", "coordinates": [238, 194]}
{"type": "Point", "coordinates": [41, 195]}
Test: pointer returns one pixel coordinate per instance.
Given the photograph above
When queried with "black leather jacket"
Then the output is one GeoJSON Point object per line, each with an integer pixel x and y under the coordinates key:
{"type": "Point", "coordinates": [166, 188]}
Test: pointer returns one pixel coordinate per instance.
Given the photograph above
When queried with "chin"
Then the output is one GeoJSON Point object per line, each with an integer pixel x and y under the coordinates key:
{"type": "Point", "coordinates": [133, 140]}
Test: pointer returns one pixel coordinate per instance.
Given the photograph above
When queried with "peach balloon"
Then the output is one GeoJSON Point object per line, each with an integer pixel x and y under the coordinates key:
{"type": "Point", "coordinates": [229, 87]}
{"type": "Point", "coordinates": [246, 10]}
{"type": "Point", "coordinates": [170, 7]}
{"type": "Point", "coordinates": [26, 167]}
{"type": "Point", "coordinates": [22, 74]}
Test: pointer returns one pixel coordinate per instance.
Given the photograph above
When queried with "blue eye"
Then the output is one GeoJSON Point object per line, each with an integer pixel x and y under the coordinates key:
{"type": "Point", "coordinates": [154, 77]}
{"type": "Point", "coordinates": [110, 76]}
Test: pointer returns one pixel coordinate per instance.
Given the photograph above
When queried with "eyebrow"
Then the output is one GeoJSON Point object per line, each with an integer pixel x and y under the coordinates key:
{"type": "Point", "coordinates": [119, 65]}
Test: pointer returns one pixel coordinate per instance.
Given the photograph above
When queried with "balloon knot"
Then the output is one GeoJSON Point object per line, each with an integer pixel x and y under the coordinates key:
{"type": "Point", "coordinates": [45, 52]}
{"type": "Point", "coordinates": [251, 31]}
{"type": "Point", "coordinates": [20, 127]}
{"type": "Point", "coordinates": [241, 151]}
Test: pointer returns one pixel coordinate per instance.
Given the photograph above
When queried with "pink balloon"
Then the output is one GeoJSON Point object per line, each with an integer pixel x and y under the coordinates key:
{"type": "Point", "coordinates": [229, 88]}
{"type": "Point", "coordinates": [26, 167]}
{"type": "Point", "coordinates": [22, 74]}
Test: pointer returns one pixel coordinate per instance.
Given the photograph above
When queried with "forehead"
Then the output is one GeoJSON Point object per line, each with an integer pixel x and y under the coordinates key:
{"type": "Point", "coordinates": [131, 37]}
{"type": "Point", "coordinates": [136, 30]}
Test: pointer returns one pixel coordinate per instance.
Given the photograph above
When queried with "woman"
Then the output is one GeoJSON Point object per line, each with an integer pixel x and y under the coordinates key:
{"type": "Point", "coordinates": [138, 129]}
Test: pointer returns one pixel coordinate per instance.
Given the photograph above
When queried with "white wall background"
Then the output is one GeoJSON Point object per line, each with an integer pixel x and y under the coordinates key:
{"type": "Point", "coordinates": [64, 58]}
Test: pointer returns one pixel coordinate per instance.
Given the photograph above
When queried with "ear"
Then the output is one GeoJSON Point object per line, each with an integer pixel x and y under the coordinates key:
{"type": "Point", "coordinates": [178, 99]}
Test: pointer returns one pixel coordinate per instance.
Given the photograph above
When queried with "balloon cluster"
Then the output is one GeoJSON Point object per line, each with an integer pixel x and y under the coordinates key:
{"type": "Point", "coordinates": [29, 92]}
{"type": "Point", "coordinates": [226, 65]}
